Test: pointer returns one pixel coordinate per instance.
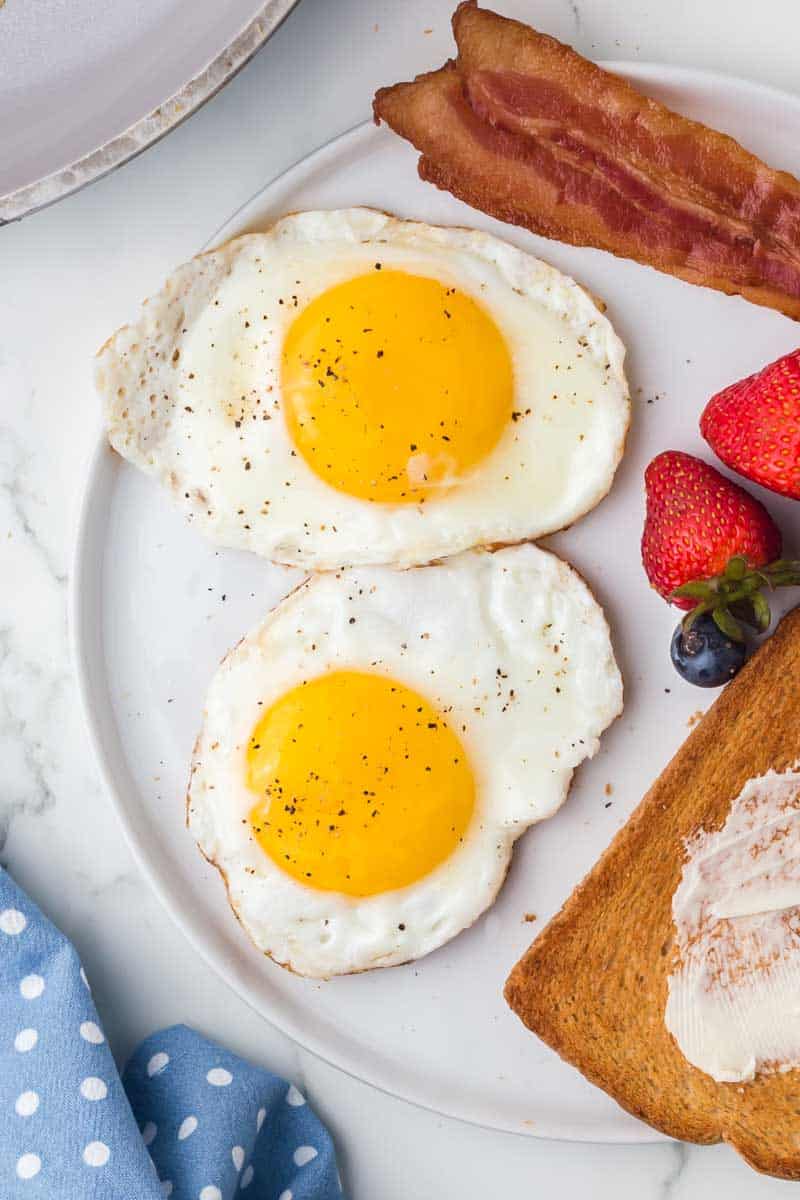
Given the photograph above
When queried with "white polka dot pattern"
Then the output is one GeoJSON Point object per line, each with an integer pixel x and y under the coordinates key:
{"type": "Point", "coordinates": [158, 1063]}
{"type": "Point", "coordinates": [242, 1116]}
{"type": "Point", "coordinates": [219, 1077]}
{"type": "Point", "coordinates": [96, 1154]}
{"type": "Point", "coordinates": [303, 1155]}
{"type": "Point", "coordinates": [91, 1032]}
{"type": "Point", "coordinates": [69, 1127]}
{"type": "Point", "coordinates": [31, 987]}
{"type": "Point", "coordinates": [93, 1088]}
{"type": "Point", "coordinates": [26, 1104]}
{"type": "Point", "coordinates": [28, 1165]}
{"type": "Point", "coordinates": [25, 1040]}
{"type": "Point", "coordinates": [12, 922]}
{"type": "Point", "coordinates": [187, 1128]}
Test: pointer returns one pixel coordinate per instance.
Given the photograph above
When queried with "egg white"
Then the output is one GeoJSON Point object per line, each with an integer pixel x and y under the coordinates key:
{"type": "Point", "coordinates": [512, 642]}
{"type": "Point", "coordinates": [206, 353]}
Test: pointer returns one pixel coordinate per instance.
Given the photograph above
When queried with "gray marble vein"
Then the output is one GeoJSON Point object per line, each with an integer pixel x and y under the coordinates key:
{"type": "Point", "coordinates": [671, 1181]}
{"type": "Point", "coordinates": [70, 274]}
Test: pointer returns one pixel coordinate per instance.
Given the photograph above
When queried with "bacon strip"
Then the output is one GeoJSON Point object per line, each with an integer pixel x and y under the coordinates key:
{"type": "Point", "coordinates": [525, 129]}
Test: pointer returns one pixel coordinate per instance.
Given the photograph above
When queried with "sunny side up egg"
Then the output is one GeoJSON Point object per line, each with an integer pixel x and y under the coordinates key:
{"type": "Point", "coordinates": [370, 753]}
{"type": "Point", "coordinates": [350, 388]}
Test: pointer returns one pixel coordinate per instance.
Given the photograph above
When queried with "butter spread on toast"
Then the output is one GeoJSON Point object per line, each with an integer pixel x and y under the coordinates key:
{"type": "Point", "coordinates": [733, 1004]}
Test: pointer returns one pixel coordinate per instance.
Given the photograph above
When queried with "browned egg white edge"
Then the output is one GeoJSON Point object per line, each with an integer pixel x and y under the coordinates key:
{"type": "Point", "coordinates": [599, 304]}
{"type": "Point", "coordinates": [271, 614]}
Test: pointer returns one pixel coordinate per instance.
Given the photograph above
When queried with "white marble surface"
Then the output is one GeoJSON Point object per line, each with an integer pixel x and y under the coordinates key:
{"type": "Point", "coordinates": [70, 275]}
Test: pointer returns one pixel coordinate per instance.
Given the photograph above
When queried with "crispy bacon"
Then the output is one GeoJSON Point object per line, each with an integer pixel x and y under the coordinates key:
{"type": "Point", "coordinates": [525, 129]}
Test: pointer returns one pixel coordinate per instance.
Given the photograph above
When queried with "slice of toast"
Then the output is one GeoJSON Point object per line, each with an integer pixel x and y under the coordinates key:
{"type": "Point", "coordinates": [594, 983]}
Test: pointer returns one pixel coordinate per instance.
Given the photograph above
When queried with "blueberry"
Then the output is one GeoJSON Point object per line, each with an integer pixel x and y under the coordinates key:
{"type": "Point", "coordinates": [705, 655]}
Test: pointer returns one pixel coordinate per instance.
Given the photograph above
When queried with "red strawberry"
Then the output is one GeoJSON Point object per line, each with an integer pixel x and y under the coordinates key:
{"type": "Point", "coordinates": [754, 426]}
{"type": "Point", "coordinates": [696, 522]}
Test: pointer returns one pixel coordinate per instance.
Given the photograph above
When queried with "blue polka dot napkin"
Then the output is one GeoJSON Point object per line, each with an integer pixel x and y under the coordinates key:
{"type": "Point", "coordinates": [187, 1119]}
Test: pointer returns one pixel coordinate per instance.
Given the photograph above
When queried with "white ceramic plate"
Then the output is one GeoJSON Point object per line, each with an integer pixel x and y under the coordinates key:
{"type": "Point", "coordinates": [155, 608]}
{"type": "Point", "coordinates": [86, 86]}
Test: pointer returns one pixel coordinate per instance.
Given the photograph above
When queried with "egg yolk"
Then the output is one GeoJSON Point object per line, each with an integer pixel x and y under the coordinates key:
{"type": "Point", "coordinates": [362, 786]}
{"type": "Point", "coordinates": [394, 386]}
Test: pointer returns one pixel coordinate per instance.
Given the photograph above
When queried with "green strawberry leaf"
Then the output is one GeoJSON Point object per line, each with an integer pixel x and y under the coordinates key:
{"type": "Point", "coordinates": [736, 598]}
{"type": "Point", "coordinates": [743, 611]}
{"type": "Point", "coordinates": [736, 568]}
{"type": "Point", "coordinates": [728, 624]}
{"type": "Point", "coordinates": [761, 611]}
{"type": "Point", "coordinates": [697, 589]}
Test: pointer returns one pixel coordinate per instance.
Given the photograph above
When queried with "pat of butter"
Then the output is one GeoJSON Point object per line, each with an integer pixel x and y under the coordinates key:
{"type": "Point", "coordinates": [733, 1004]}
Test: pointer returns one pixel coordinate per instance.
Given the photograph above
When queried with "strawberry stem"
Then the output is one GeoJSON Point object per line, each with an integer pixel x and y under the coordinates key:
{"type": "Point", "coordinates": [738, 587]}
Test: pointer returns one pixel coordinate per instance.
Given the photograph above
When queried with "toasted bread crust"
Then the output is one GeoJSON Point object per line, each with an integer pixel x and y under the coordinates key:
{"type": "Point", "coordinates": [594, 983]}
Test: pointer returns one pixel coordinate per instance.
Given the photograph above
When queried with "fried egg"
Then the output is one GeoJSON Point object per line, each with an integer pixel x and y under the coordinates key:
{"type": "Point", "coordinates": [370, 753]}
{"type": "Point", "coordinates": [348, 388]}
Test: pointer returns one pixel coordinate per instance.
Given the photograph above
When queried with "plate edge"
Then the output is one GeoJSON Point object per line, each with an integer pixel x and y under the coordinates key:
{"type": "Point", "coordinates": [87, 700]}
{"type": "Point", "coordinates": [172, 112]}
